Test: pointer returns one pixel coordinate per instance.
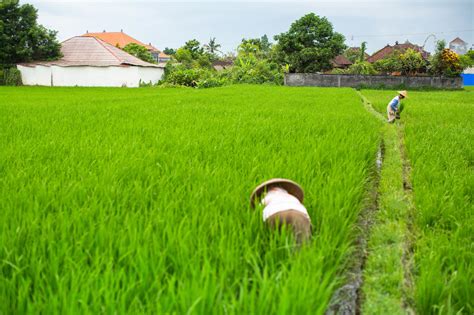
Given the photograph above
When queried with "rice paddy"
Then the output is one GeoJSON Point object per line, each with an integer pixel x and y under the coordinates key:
{"type": "Point", "coordinates": [438, 131]}
{"type": "Point", "coordinates": [137, 200]}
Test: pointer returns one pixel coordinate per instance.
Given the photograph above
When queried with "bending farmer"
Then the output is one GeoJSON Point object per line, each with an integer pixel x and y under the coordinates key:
{"type": "Point", "coordinates": [394, 108]}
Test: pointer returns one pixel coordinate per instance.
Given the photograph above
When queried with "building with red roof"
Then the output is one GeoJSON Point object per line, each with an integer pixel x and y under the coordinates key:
{"type": "Point", "coordinates": [121, 39]}
{"type": "Point", "coordinates": [388, 50]}
{"type": "Point", "coordinates": [89, 61]}
{"type": "Point", "coordinates": [341, 62]}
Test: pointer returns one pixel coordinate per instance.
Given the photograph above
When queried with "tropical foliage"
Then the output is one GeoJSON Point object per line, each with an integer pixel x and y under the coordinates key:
{"type": "Point", "coordinates": [362, 67]}
{"type": "Point", "coordinates": [22, 38]}
{"type": "Point", "coordinates": [411, 62]}
{"type": "Point", "coordinates": [192, 65]}
{"type": "Point", "coordinates": [139, 52]}
{"type": "Point", "coordinates": [309, 45]}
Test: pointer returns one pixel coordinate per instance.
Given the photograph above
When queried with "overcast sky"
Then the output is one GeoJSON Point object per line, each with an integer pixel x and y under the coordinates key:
{"type": "Point", "coordinates": [171, 23]}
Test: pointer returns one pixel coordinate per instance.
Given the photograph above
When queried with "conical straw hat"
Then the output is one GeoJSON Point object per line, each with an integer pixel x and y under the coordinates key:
{"type": "Point", "coordinates": [404, 93]}
{"type": "Point", "coordinates": [290, 186]}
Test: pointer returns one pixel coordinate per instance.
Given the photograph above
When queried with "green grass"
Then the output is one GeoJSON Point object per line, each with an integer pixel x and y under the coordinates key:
{"type": "Point", "coordinates": [136, 200]}
{"type": "Point", "coordinates": [438, 130]}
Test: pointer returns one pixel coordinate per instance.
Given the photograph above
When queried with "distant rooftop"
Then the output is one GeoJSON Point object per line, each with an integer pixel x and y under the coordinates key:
{"type": "Point", "coordinates": [457, 40]}
{"type": "Point", "coordinates": [388, 49]}
{"type": "Point", "coordinates": [91, 51]}
{"type": "Point", "coordinates": [119, 39]}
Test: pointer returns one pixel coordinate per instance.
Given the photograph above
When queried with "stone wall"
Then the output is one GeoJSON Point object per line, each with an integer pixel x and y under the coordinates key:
{"type": "Point", "coordinates": [344, 80]}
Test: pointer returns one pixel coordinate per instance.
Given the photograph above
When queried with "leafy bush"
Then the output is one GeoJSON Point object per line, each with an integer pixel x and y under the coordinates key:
{"type": "Point", "coordinates": [445, 62]}
{"type": "Point", "coordinates": [140, 52]}
{"type": "Point", "coordinates": [362, 67]}
{"type": "Point", "coordinates": [411, 62]}
{"type": "Point", "coordinates": [191, 66]}
{"type": "Point", "coordinates": [13, 77]}
{"type": "Point", "coordinates": [180, 75]}
{"type": "Point", "coordinates": [211, 81]}
{"type": "Point", "coordinates": [186, 77]}
{"type": "Point", "coordinates": [389, 64]}
{"type": "Point", "coordinates": [338, 71]}
{"type": "Point", "coordinates": [252, 70]}
{"type": "Point", "coordinates": [466, 61]}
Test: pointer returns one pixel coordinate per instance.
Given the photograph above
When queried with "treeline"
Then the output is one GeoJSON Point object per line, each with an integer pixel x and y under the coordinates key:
{"type": "Point", "coordinates": [309, 46]}
{"type": "Point", "coordinates": [444, 62]}
{"type": "Point", "coordinates": [22, 40]}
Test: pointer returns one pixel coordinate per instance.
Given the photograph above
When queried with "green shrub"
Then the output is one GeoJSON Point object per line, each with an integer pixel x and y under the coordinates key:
{"type": "Point", "coordinates": [248, 68]}
{"type": "Point", "coordinates": [412, 62]}
{"type": "Point", "coordinates": [362, 67]}
{"type": "Point", "coordinates": [389, 65]}
{"type": "Point", "coordinates": [192, 67]}
{"type": "Point", "coordinates": [338, 71]}
{"type": "Point", "coordinates": [13, 77]}
{"type": "Point", "coordinates": [140, 52]}
{"type": "Point", "coordinates": [186, 77]}
{"type": "Point", "coordinates": [211, 81]}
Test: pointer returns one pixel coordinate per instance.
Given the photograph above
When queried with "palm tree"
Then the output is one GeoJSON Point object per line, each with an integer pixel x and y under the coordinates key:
{"type": "Point", "coordinates": [212, 47]}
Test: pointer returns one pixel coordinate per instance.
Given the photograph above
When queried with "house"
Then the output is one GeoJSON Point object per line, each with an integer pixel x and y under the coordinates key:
{"type": "Point", "coordinates": [121, 39]}
{"type": "Point", "coordinates": [220, 65]}
{"type": "Point", "coordinates": [89, 61]}
{"type": "Point", "coordinates": [388, 50]}
{"type": "Point", "coordinates": [458, 46]}
{"type": "Point", "coordinates": [341, 62]}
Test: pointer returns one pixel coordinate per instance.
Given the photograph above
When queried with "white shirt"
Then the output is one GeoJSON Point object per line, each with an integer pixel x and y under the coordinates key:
{"type": "Point", "coordinates": [278, 200]}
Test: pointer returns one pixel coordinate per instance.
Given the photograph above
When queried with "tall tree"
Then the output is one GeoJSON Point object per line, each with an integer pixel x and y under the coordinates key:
{"type": "Point", "coordinates": [169, 51]}
{"type": "Point", "coordinates": [22, 38]}
{"type": "Point", "coordinates": [309, 45]}
{"type": "Point", "coordinates": [212, 47]}
{"type": "Point", "coordinates": [363, 48]}
{"type": "Point", "coordinates": [194, 47]}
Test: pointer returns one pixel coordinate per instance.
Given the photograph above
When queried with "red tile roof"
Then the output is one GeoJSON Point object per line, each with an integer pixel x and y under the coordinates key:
{"type": "Point", "coordinates": [341, 61]}
{"type": "Point", "coordinates": [388, 50]}
{"type": "Point", "coordinates": [121, 39]}
{"type": "Point", "coordinates": [91, 51]}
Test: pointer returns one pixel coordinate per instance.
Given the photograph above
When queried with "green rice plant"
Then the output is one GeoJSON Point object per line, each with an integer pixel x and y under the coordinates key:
{"type": "Point", "coordinates": [439, 133]}
{"type": "Point", "coordinates": [136, 200]}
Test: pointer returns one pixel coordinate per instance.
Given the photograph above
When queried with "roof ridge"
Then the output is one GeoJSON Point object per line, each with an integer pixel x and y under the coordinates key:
{"type": "Point", "coordinates": [379, 51]}
{"type": "Point", "coordinates": [101, 42]}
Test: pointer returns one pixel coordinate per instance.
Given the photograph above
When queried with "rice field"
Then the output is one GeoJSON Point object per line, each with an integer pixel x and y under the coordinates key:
{"type": "Point", "coordinates": [439, 137]}
{"type": "Point", "coordinates": [136, 200]}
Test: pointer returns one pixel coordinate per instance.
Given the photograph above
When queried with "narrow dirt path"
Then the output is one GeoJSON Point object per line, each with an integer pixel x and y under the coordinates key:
{"type": "Point", "coordinates": [387, 274]}
{"type": "Point", "coordinates": [379, 278]}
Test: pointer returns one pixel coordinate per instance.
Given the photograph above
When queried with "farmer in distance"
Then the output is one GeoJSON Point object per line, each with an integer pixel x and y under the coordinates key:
{"type": "Point", "coordinates": [394, 108]}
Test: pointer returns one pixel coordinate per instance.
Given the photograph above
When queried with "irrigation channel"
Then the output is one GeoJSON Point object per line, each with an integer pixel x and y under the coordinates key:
{"type": "Point", "coordinates": [366, 290]}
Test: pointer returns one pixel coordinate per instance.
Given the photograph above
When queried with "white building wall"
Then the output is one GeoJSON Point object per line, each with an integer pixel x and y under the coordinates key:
{"type": "Point", "coordinates": [94, 76]}
{"type": "Point", "coordinates": [116, 76]}
{"type": "Point", "coordinates": [469, 70]}
{"type": "Point", "coordinates": [38, 75]}
{"type": "Point", "coordinates": [147, 75]}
